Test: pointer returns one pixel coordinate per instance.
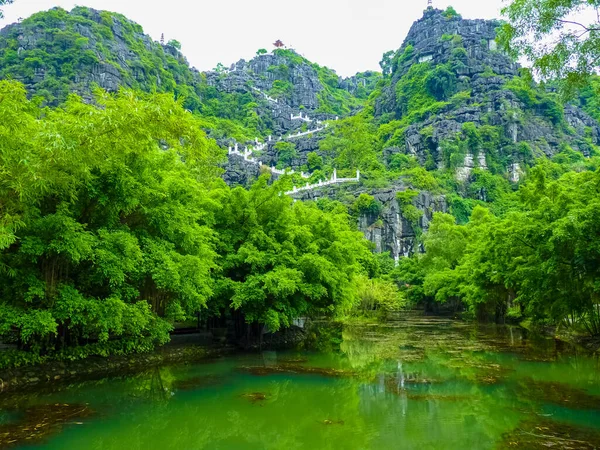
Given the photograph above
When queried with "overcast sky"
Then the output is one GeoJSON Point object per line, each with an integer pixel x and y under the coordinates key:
{"type": "Point", "coordinates": [346, 35]}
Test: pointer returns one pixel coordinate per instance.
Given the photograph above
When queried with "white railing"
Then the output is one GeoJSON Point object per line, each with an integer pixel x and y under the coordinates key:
{"type": "Point", "coordinates": [305, 118]}
{"type": "Point", "coordinates": [270, 99]}
{"type": "Point", "coordinates": [300, 134]}
{"type": "Point", "coordinates": [333, 180]}
{"type": "Point", "coordinates": [247, 155]}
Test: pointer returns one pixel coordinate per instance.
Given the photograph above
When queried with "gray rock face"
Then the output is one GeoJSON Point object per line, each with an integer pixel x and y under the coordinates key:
{"type": "Point", "coordinates": [390, 231]}
{"type": "Point", "coordinates": [484, 72]}
{"type": "Point", "coordinates": [118, 64]}
{"type": "Point", "coordinates": [304, 146]}
{"type": "Point", "coordinates": [239, 172]}
{"type": "Point", "coordinates": [259, 76]}
{"type": "Point", "coordinates": [432, 38]}
{"type": "Point", "coordinates": [265, 69]}
{"type": "Point", "coordinates": [361, 84]}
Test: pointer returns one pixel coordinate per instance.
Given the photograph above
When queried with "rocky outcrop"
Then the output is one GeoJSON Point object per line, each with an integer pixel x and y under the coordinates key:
{"type": "Point", "coordinates": [96, 49]}
{"type": "Point", "coordinates": [284, 84]}
{"type": "Point", "coordinates": [261, 72]}
{"type": "Point", "coordinates": [389, 230]}
{"type": "Point", "coordinates": [434, 38]}
{"type": "Point", "coordinates": [482, 73]}
{"type": "Point", "coordinates": [239, 172]}
{"type": "Point", "coordinates": [362, 84]}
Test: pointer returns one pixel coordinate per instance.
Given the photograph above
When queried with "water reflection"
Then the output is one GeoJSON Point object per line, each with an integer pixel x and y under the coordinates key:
{"type": "Point", "coordinates": [418, 383]}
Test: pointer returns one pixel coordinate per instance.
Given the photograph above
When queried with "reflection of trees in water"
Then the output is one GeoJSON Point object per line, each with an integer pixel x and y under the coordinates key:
{"type": "Point", "coordinates": [157, 387]}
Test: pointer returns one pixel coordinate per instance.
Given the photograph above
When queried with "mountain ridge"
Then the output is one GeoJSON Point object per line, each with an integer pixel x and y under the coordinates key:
{"type": "Point", "coordinates": [452, 116]}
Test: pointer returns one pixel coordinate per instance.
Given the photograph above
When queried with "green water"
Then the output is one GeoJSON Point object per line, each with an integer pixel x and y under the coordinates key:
{"type": "Point", "coordinates": [416, 384]}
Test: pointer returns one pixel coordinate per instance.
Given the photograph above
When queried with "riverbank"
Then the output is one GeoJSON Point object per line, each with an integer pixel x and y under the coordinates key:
{"type": "Point", "coordinates": [321, 335]}
{"type": "Point", "coordinates": [99, 367]}
{"type": "Point", "coordinates": [188, 348]}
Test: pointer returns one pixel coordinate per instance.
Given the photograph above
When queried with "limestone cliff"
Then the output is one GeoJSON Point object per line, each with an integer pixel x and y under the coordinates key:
{"type": "Point", "coordinates": [57, 52]}
{"type": "Point", "coordinates": [488, 91]}
{"type": "Point", "coordinates": [389, 230]}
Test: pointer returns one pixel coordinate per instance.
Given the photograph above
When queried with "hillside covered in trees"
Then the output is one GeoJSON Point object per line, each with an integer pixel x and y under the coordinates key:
{"type": "Point", "coordinates": [122, 212]}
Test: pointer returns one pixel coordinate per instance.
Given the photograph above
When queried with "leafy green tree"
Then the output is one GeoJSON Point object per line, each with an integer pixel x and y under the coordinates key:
{"type": "Point", "coordinates": [286, 153]}
{"type": "Point", "coordinates": [441, 83]}
{"type": "Point", "coordinates": [261, 51]}
{"type": "Point", "coordinates": [315, 162]}
{"type": "Point", "coordinates": [367, 204]}
{"type": "Point", "coordinates": [352, 145]}
{"type": "Point", "coordinates": [110, 240]}
{"type": "Point", "coordinates": [378, 296]}
{"type": "Point", "coordinates": [450, 13]}
{"type": "Point", "coordinates": [2, 3]}
{"type": "Point", "coordinates": [540, 260]}
{"type": "Point", "coordinates": [386, 63]}
{"type": "Point", "coordinates": [281, 260]}
{"type": "Point", "coordinates": [561, 39]}
{"type": "Point", "coordinates": [174, 43]}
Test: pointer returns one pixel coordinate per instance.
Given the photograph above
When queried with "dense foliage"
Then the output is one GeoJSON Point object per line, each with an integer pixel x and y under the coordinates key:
{"type": "Point", "coordinates": [560, 38]}
{"type": "Point", "coordinates": [113, 226]}
{"type": "Point", "coordinates": [540, 259]}
{"type": "Point", "coordinates": [114, 223]}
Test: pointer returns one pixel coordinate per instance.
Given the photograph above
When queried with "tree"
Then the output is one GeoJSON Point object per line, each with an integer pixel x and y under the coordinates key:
{"type": "Point", "coordinates": [175, 44]}
{"type": "Point", "coordinates": [441, 83]}
{"type": "Point", "coordinates": [105, 236]}
{"type": "Point", "coordinates": [281, 260]}
{"type": "Point", "coordinates": [314, 161]}
{"type": "Point", "coordinates": [450, 13]}
{"type": "Point", "coordinates": [540, 260]}
{"type": "Point", "coordinates": [561, 39]}
{"type": "Point", "coordinates": [286, 152]}
{"type": "Point", "coordinates": [2, 3]}
{"type": "Point", "coordinates": [261, 51]}
{"type": "Point", "coordinates": [387, 63]}
{"type": "Point", "coordinates": [377, 295]}
{"type": "Point", "coordinates": [352, 145]}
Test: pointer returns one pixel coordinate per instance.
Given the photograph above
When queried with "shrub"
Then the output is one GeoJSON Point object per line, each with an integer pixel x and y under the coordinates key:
{"type": "Point", "coordinates": [450, 13]}
{"type": "Point", "coordinates": [441, 83]}
{"type": "Point", "coordinates": [367, 204]}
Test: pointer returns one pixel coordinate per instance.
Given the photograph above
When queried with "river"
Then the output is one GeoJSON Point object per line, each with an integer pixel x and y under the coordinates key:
{"type": "Point", "coordinates": [412, 384]}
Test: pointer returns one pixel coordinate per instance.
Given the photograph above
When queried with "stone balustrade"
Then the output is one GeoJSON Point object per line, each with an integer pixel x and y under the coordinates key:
{"type": "Point", "coordinates": [265, 95]}
{"type": "Point", "coordinates": [300, 134]}
{"type": "Point", "coordinates": [247, 155]}
{"type": "Point", "coordinates": [333, 180]}
{"type": "Point", "coordinates": [304, 118]}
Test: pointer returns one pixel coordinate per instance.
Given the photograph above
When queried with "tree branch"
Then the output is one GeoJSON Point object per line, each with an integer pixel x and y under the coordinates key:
{"type": "Point", "coordinates": [588, 29]}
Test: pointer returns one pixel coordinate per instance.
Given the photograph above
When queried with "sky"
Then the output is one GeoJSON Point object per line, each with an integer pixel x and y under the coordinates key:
{"type": "Point", "coordinates": [348, 36]}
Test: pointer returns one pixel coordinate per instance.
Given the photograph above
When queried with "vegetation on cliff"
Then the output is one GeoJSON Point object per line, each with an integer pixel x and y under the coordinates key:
{"type": "Point", "coordinates": [537, 260]}
{"type": "Point", "coordinates": [115, 224]}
